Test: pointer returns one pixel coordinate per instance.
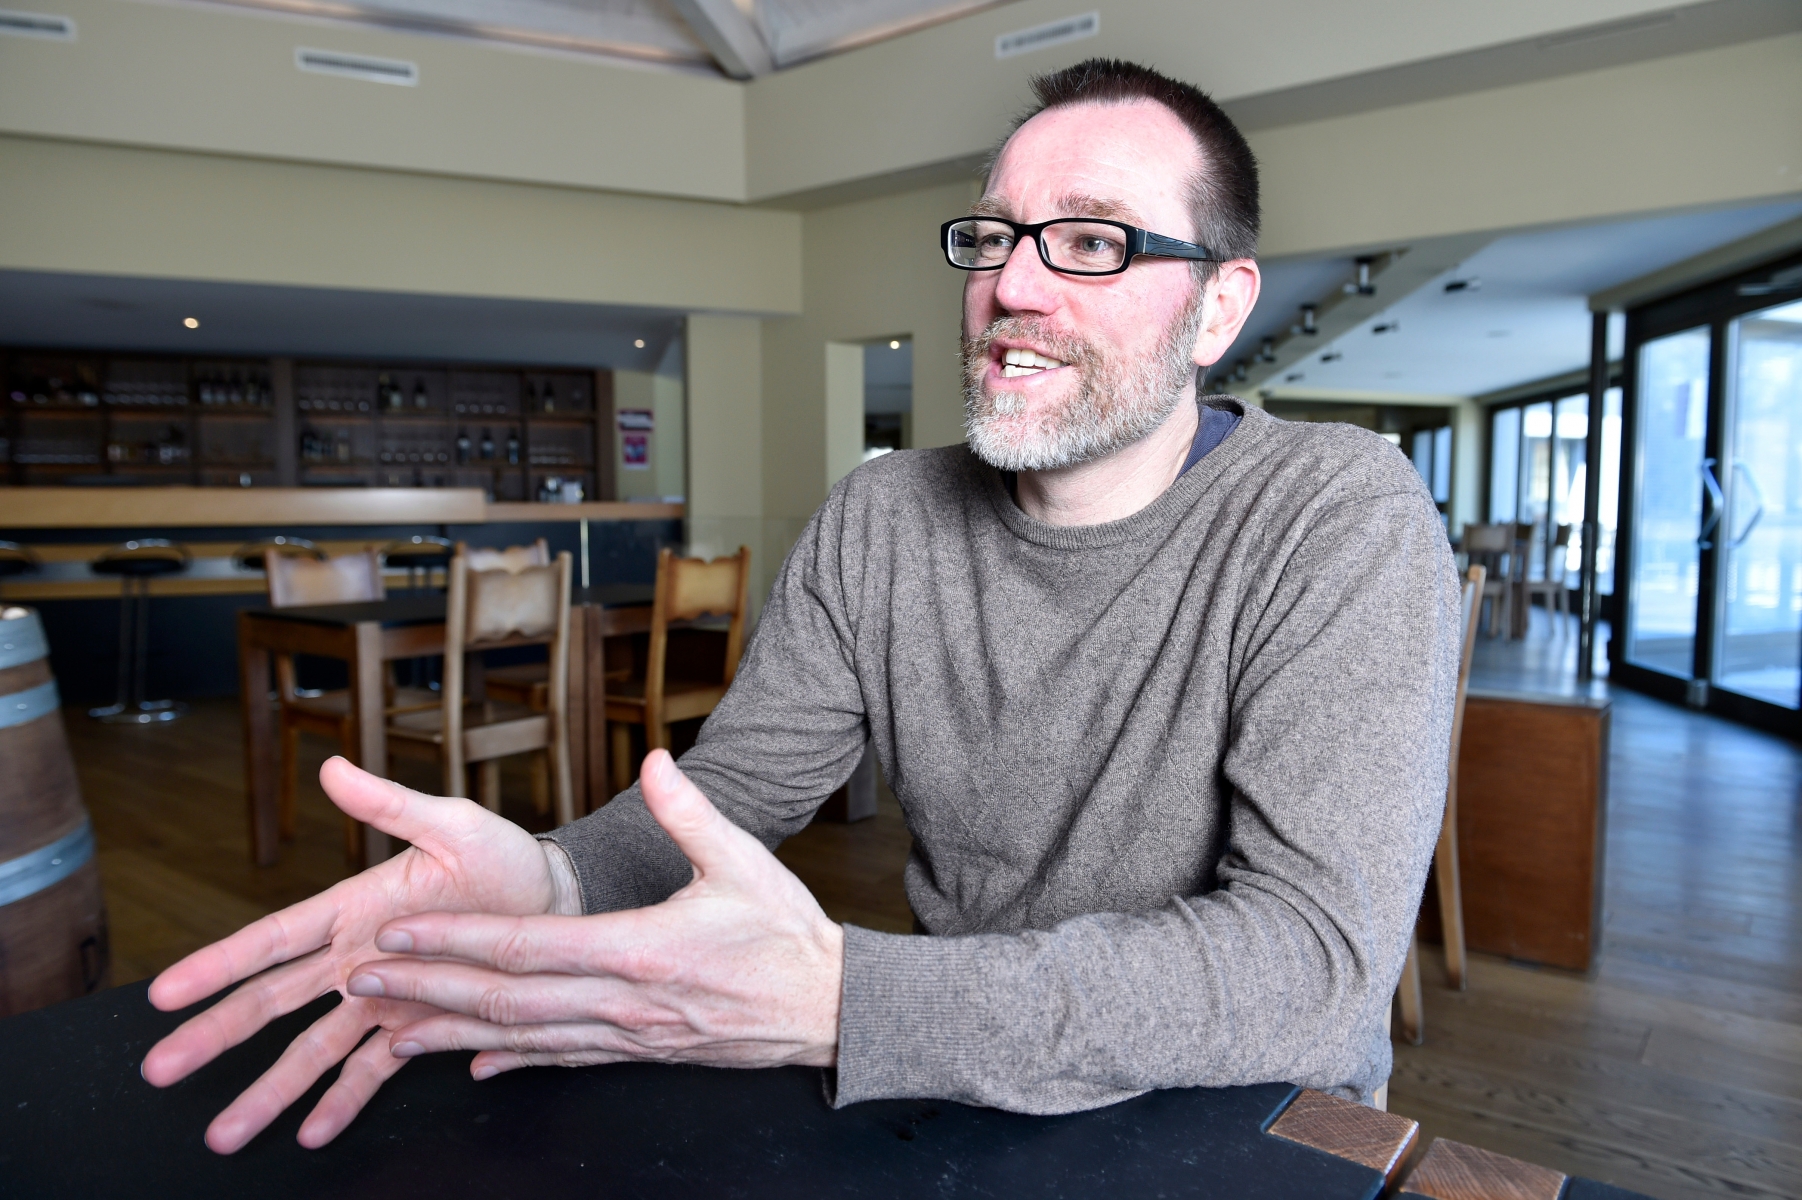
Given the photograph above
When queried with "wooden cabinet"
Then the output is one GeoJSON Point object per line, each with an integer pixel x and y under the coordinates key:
{"type": "Point", "coordinates": [100, 418]}
{"type": "Point", "coordinates": [1532, 803]}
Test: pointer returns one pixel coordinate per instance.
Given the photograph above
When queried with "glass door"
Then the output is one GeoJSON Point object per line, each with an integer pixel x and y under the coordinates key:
{"type": "Point", "coordinates": [1757, 649]}
{"type": "Point", "coordinates": [1671, 475]}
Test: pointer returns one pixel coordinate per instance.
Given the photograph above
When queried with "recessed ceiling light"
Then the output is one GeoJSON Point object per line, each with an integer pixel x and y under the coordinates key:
{"type": "Point", "coordinates": [894, 345]}
{"type": "Point", "coordinates": [191, 322]}
{"type": "Point", "coordinates": [1387, 327]}
{"type": "Point", "coordinates": [639, 342]}
{"type": "Point", "coordinates": [1331, 356]}
{"type": "Point", "coordinates": [1464, 285]}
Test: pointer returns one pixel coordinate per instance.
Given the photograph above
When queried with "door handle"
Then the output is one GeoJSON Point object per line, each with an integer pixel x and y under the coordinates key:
{"type": "Point", "coordinates": [1717, 503]}
{"type": "Point", "coordinates": [1757, 497]}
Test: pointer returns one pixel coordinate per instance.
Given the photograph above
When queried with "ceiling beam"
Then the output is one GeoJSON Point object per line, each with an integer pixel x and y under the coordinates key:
{"type": "Point", "coordinates": [728, 35]}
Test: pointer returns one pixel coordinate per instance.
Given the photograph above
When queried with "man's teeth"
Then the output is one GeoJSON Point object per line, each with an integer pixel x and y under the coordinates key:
{"type": "Point", "coordinates": [1025, 362]}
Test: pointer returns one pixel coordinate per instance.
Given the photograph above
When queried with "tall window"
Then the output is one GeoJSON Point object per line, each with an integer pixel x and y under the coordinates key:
{"type": "Point", "coordinates": [1537, 474]}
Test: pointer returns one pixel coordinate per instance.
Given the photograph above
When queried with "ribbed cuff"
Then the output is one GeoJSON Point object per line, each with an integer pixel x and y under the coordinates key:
{"type": "Point", "coordinates": [908, 1026]}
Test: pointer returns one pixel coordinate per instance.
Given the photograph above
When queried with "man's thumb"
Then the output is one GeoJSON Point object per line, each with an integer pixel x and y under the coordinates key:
{"type": "Point", "coordinates": [709, 841]}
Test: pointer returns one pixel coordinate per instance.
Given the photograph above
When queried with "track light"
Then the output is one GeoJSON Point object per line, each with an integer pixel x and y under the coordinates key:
{"type": "Point", "coordinates": [1363, 287]}
{"type": "Point", "coordinates": [1267, 351]}
{"type": "Point", "coordinates": [1241, 372]}
{"type": "Point", "coordinates": [1307, 321]}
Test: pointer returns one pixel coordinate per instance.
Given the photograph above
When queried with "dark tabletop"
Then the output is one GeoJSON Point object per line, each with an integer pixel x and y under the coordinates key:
{"type": "Point", "coordinates": [77, 1120]}
{"type": "Point", "coordinates": [429, 608]}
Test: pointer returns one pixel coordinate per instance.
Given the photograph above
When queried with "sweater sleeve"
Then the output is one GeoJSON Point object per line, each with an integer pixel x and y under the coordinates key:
{"type": "Point", "coordinates": [789, 730]}
{"type": "Point", "coordinates": [1343, 682]}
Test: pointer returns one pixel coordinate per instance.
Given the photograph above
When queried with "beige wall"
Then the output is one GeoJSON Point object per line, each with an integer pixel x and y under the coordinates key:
{"type": "Point", "coordinates": [870, 272]}
{"type": "Point", "coordinates": [213, 78]}
{"type": "Point", "coordinates": [940, 94]}
{"type": "Point", "coordinates": [665, 473]}
{"type": "Point", "coordinates": [71, 206]}
{"type": "Point", "coordinates": [1710, 128]}
{"type": "Point", "coordinates": [726, 507]}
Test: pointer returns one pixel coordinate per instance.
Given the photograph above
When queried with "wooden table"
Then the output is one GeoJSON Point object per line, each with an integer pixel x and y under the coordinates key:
{"type": "Point", "coordinates": [366, 637]}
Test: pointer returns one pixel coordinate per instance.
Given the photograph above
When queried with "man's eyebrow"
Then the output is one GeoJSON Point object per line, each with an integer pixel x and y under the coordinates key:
{"type": "Point", "coordinates": [1080, 204]}
{"type": "Point", "coordinates": [1071, 204]}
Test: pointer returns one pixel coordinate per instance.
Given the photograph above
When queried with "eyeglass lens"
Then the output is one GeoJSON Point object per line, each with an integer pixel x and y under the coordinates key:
{"type": "Point", "coordinates": [1085, 246]}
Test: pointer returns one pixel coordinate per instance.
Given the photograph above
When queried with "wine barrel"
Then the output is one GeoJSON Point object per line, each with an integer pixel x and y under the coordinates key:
{"type": "Point", "coordinates": [53, 941]}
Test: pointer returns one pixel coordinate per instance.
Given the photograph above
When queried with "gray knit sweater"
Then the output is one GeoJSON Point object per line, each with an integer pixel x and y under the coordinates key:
{"type": "Point", "coordinates": [1173, 781]}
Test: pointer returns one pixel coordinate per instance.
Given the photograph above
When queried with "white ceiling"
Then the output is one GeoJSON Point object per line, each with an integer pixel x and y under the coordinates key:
{"type": "Point", "coordinates": [793, 31]}
{"type": "Point", "coordinates": [1525, 318]}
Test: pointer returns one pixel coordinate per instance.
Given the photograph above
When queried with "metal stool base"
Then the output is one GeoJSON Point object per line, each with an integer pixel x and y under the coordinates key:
{"type": "Point", "coordinates": [146, 712]}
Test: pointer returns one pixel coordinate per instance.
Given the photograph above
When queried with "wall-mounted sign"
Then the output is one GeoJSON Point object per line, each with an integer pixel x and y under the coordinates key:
{"type": "Point", "coordinates": [637, 418]}
{"type": "Point", "coordinates": [635, 452]}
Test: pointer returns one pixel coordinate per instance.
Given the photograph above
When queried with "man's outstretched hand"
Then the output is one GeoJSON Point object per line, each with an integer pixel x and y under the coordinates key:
{"type": "Point", "coordinates": [739, 968]}
{"type": "Point", "coordinates": [463, 859]}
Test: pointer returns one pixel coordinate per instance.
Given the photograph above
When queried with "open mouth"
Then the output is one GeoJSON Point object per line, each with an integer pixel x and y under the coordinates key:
{"type": "Point", "coordinates": [1018, 363]}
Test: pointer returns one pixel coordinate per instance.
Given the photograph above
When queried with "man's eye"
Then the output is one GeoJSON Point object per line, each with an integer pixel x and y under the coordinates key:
{"type": "Point", "coordinates": [1093, 245]}
{"type": "Point", "coordinates": [996, 241]}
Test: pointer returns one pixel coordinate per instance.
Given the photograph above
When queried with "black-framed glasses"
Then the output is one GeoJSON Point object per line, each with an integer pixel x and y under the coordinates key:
{"type": "Point", "coordinates": [1073, 245]}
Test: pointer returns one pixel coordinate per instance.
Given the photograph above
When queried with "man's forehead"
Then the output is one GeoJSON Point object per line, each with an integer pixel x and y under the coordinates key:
{"type": "Point", "coordinates": [1123, 162]}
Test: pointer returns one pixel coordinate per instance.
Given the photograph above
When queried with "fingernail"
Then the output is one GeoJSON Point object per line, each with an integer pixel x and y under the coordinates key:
{"type": "Point", "coordinates": [395, 941]}
{"type": "Point", "coordinates": [665, 770]}
{"type": "Point", "coordinates": [365, 985]}
{"type": "Point", "coordinates": [406, 1049]}
{"type": "Point", "coordinates": [483, 1072]}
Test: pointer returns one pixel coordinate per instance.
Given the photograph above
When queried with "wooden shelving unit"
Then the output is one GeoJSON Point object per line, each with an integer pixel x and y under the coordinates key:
{"type": "Point", "coordinates": [100, 418]}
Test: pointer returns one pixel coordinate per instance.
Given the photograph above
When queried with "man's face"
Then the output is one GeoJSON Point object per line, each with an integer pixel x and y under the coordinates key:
{"type": "Point", "coordinates": [1124, 347]}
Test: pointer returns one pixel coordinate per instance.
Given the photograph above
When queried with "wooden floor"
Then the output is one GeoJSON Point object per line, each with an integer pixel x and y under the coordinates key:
{"type": "Point", "coordinates": [1675, 1070]}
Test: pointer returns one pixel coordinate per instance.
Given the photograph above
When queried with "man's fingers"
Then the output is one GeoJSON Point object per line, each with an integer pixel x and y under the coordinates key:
{"type": "Point", "coordinates": [490, 1063]}
{"type": "Point", "coordinates": [625, 943]}
{"type": "Point", "coordinates": [364, 1073]}
{"type": "Point", "coordinates": [453, 1031]}
{"type": "Point", "coordinates": [307, 1057]}
{"type": "Point", "coordinates": [205, 1036]}
{"type": "Point", "coordinates": [299, 929]}
{"type": "Point", "coordinates": [500, 998]}
{"type": "Point", "coordinates": [712, 843]}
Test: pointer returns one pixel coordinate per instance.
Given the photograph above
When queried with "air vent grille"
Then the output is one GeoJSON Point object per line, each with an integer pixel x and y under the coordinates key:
{"type": "Point", "coordinates": [357, 66]}
{"type": "Point", "coordinates": [1052, 33]}
{"type": "Point", "coordinates": [37, 25]}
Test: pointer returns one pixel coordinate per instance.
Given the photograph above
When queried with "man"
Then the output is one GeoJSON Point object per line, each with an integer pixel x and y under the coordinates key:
{"type": "Point", "coordinates": [1164, 688]}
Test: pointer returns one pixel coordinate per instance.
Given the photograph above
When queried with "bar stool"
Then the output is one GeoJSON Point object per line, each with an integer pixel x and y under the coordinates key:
{"type": "Point", "coordinates": [16, 559]}
{"type": "Point", "coordinates": [251, 556]}
{"type": "Point", "coordinates": [136, 563]}
{"type": "Point", "coordinates": [421, 553]}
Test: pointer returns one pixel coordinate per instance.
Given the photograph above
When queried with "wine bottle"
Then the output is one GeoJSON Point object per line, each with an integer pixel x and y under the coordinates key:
{"type": "Point", "coordinates": [487, 445]}
{"type": "Point", "coordinates": [462, 446]}
{"type": "Point", "coordinates": [513, 447]}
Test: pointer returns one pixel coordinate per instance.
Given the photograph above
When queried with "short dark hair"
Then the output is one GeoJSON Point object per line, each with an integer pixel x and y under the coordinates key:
{"type": "Point", "coordinates": [1224, 193]}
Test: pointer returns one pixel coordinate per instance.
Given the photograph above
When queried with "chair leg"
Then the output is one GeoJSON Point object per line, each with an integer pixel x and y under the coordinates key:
{"type": "Point", "coordinates": [541, 782]}
{"type": "Point", "coordinates": [1451, 900]}
{"type": "Point", "coordinates": [290, 758]}
{"type": "Point", "coordinates": [488, 784]}
{"type": "Point", "coordinates": [1407, 993]}
{"type": "Point", "coordinates": [656, 737]}
{"type": "Point", "coordinates": [622, 757]}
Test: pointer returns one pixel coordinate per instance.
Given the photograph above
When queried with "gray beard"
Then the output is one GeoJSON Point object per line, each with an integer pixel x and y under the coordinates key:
{"type": "Point", "coordinates": [1117, 404]}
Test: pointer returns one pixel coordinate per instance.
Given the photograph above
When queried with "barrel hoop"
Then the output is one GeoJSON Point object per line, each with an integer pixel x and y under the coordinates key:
{"type": "Point", "coordinates": [21, 641]}
{"type": "Point", "coordinates": [28, 705]}
{"type": "Point", "coordinates": [46, 866]}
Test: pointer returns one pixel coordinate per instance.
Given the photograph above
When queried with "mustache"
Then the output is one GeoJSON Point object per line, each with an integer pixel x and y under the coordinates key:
{"type": "Point", "coordinates": [1060, 346]}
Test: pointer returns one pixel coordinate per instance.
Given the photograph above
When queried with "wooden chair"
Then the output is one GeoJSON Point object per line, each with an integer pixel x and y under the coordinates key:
{"type": "Point", "coordinates": [494, 610]}
{"type": "Point", "coordinates": [1550, 586]}
{"type": "Point", "coordinates": [528, 684]}
{"type": "Point", "coordinates": [687, 589]}
{"type": "Point", "coordinates": [1445, 855]}
{"type": "Point", "coordinates": [295, 579]}
{"type": "Point", "coordinates": [1492, 547]}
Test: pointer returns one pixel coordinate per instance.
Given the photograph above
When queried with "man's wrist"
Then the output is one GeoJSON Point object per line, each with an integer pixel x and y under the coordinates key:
{"type": "Point", "coordinates": [566, 889]}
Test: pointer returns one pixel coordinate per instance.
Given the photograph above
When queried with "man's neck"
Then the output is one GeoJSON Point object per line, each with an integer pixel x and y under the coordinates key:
{"type": "Point", "coordinates": [1107, 489]}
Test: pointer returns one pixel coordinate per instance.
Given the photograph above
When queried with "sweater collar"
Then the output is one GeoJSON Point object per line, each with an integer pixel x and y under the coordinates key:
{"type": "Point", "coordinates": [1155, 518]}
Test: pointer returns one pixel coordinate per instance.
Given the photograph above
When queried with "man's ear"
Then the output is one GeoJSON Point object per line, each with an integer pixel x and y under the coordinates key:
{"type": "Point", "coordinates": [1230, 296]}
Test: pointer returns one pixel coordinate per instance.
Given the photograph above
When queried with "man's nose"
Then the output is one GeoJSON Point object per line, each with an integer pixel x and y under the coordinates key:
{"type": "Point", "coordinates": [1026, 283]}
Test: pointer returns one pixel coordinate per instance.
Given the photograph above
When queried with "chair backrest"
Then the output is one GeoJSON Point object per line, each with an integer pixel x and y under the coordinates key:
{"type": "Point", "coordinates": [296, 580]}
{"type": "Point", "coordinates": [1488, 539]}
{"type": "Point", "coordinates": [491, 609]}
{"type": "Point", "coordinates": [690, 588]}
{"type": "Point", "coordinates": [513, 558]}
